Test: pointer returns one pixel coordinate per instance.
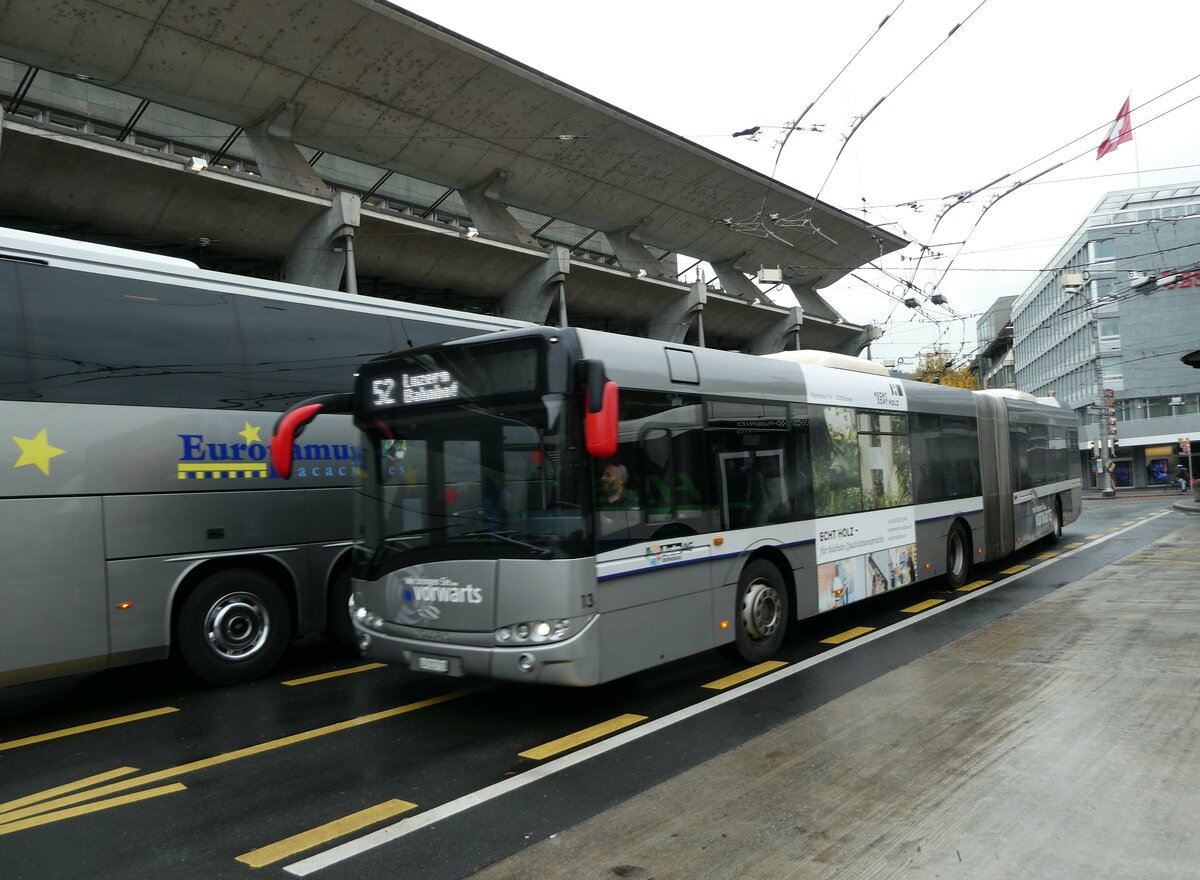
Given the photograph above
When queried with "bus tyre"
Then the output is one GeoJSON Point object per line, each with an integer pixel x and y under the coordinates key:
{"type": "Point", "coordinates": [1058, 520]}
{"type": "Point", "coordinates": [958, 556]}
{"type": "Point", "coordinates": [761, 614]}
{"type": "Point", "coordinates": [233, 627]}
{"type": "Point", "coordinates": [338, 628]}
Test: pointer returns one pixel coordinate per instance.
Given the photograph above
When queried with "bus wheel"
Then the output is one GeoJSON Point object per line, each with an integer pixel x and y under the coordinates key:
{"type": "Point", "coordinates": [761, 616]}
{"type": "Point", "coordinates": [338, 628]}
{"type": "Point", "coordinates": [958, 556]}
{"type": "Point", "coordinates": [233, 627]}
{"type": "Point", "coordinates": [1058, 519]}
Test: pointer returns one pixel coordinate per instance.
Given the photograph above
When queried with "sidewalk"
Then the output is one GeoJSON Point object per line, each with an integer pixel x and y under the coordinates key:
{"type": "Point", "coordinates": [1182, 501]}
{"type": "Point", "coordinates": [1059, 741]}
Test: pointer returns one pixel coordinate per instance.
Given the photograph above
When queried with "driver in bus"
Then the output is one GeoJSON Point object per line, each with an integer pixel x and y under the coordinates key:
{"type": "Point", "coordinates": [614, 495]}
{"type": "Point", "coordinates": [618, 506]}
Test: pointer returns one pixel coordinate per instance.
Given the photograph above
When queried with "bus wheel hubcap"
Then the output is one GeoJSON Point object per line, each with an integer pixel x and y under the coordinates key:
{"type": "Point", "coordinates": [237, 625]}
{"type": "Point", "coordinates": [760, 610]}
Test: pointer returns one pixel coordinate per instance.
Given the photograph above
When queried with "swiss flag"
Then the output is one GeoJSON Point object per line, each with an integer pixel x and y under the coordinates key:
{"type": "Point", "coordinates": [1118, 133]}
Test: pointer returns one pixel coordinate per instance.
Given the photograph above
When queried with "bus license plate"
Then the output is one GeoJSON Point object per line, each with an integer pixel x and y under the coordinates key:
{"type": "Point", "coordinates": [439, 665]}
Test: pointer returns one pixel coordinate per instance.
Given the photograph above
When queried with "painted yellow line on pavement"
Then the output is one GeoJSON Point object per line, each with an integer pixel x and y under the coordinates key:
{"type": "Point", "coordinates": [1165, 560]}
{"type": "Point", "coordinates": [306, 840]}
{"type": "Point", "coordinates": [1114, 530]}
{"type": "Point", "coordinates": [1128, 522]}
{"type": "Point", "coordinates": [1014, 569]}
{"type": "Point", "coordinates": [249, 751]}
{"type": "Point", "coordinates": [1074, 545]}
{"type": "Point", "coordinates": [85, 728]}
{"type": "Point", "coordinates": [922, 606]}
{"type": "Point", "coordinates": [65, 789]}
{"type": "Point", "coordinates": [1045, 555]}
{"type": "Point", "coordinates": [1093, 537]}
{"type": "Point", "coordinates": [745, 675]}
{"type": "Point", "coordinates": [58, 816]}
{"type": "Point", "coordinates": [848, 635]}
{"type": "Point", "coordinates": [596, 731]}
{"type": "Point", "coordinates": [967, 588]}
{"type": "Point", "coordinates": [309, 679]}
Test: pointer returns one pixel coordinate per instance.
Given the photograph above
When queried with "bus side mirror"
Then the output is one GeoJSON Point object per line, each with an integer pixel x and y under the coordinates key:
{"type": "Point", "coordinates": [291, 425]}
{"type": "Point", "coordinates": [600, 421]}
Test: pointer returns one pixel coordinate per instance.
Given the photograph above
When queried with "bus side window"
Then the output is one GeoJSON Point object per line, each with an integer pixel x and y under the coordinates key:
{"type": "Point", "coordinates": [751, 445]}
{"type": "Point", "coordinates": [799, 474]}
{"type": "Point", "coordinates": [14, 348]}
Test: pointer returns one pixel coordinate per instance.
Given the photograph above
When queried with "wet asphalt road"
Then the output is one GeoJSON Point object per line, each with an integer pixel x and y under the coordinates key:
{"type": "Point", "coordinates": [378, 772]}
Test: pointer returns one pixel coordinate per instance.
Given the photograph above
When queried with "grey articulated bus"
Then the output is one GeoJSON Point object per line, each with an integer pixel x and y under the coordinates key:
{"type": "Point", "coordinates": [567, 506]}
{"type": "Point", "coordinates": [138, 506]}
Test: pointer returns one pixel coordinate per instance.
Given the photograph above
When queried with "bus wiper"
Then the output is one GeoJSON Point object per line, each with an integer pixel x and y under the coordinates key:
{"type": "Point", "coordinates": [505, 536]}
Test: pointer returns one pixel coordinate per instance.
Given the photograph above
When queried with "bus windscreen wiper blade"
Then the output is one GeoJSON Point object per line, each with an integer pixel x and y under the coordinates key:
{"type": "Point", "coordinates": [504, 536]}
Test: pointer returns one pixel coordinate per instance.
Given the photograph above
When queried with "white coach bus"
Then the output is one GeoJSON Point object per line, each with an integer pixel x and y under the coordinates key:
{"type": "Point", "coordinates": [138, 509]}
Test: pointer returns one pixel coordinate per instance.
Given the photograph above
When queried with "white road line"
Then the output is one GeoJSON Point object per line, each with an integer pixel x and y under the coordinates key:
{"type": "Point", "coordinates": [459, 805]}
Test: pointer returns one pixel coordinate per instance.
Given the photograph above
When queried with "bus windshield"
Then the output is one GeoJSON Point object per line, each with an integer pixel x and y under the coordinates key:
{"type": "Point", "coordinates": [475, 481]}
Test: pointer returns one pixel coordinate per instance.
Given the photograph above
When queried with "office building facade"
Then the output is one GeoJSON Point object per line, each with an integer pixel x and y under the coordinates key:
{"type": "Point", "coordinates": [1103, 328]}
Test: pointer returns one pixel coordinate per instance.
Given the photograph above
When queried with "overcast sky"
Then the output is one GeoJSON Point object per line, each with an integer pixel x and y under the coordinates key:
{"type": "Point", "coordinates": [1020, 86]}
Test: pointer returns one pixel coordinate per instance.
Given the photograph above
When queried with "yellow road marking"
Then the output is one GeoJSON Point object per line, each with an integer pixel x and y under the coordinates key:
{"type": "Point", "coordinates": [1014, 569]}
{"type": "Point", "coordinates": [583, 736]}
{"type": "Point", "coordinates": [1075, 544]}
{"type": "Point", "coordinates": [11, 827]}
{"type": "Point", "coordinates": [305, 840]}
{"type": "Point", "coordinates": [85, 728]}
{"type": "Point", "coordinates": [1092, 537]}
{"type": "Point", "coordinates": [1046, 556]}
{"type": "Point", "coordinates": [921, 606]}
{"type": "Point", "coordinates": [249, 751]}
{"type": "Point", "coordinates": [1129, 522]}
{"type": "Point", "coordinates": [848, 635]}
{"type": "Point", "coordinates": [1114, 530]}
{"type": "Point", "coordinates": [745, 675]}
{"type": "Point", "coordinates": [975, 585]}
{"type": "Point", "coordinates": [64, 789]}
{"type": "Point", "coordinates": [309, 679]}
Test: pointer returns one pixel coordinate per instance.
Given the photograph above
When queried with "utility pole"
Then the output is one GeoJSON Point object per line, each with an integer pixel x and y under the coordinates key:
{"type": "Point", "coordinates": [1108, 422]}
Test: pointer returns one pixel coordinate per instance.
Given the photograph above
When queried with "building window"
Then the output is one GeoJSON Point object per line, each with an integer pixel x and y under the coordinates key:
{"type": "Point", "coordinates": [1102, 249]}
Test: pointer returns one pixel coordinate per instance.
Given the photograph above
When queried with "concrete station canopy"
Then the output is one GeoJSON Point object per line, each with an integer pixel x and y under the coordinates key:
{"type": "Point", "coordinates": [371, 82]}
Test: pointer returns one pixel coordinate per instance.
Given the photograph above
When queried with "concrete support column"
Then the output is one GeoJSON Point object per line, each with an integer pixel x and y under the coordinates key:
{"type": "Point", "coordinates": [783, 335]}
{"type": "Point", "coordinates": [532, 296]}
{"type": "Point", "coordinates": [278, 160]}
{"type": "Point", "coordinates": [859, 341]}
{"type": "Point", "coordinates": [674, 321]}
{"type": "Point", "coordinates": [735, 282]}
{"type": "Point", "coordinates": [490, 216]}
{"type": "Point", "coordinates": [312, 259]}
{"type": "Point", "coordinates": [814, 304]}
{"type": "Point", "coordinates": [632, 254]}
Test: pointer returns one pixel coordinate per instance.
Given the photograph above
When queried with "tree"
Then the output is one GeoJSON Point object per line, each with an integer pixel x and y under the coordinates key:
{"type": "Point", "coordinates": [937, 368]}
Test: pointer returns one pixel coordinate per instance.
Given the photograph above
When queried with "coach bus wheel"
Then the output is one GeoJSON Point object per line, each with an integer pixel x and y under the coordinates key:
{"type": "Point", "coordinates": [761, 614]}
{"type": "Point", "coordinates": [233, 627]}
{"type": "Point", "coordinates": [958, 556]}
{"type": "Point", "coordinates": [338, 628]}
{"type": "Point", "coordinates": [1058, 520]}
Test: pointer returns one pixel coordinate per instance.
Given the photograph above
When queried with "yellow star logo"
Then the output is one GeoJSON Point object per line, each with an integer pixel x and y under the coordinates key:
{"type": "Point", "coordinates": [36, 451]}
{"type": "Point", "coordinates": [250, 433]}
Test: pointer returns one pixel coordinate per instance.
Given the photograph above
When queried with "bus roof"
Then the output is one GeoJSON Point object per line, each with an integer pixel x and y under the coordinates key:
{"type": "Point", "coordinates": [814, 358]}
{"type": "Point", "coordinates": [34, 245]}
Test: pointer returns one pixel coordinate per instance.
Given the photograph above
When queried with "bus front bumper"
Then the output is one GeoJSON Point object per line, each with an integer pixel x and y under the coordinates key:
{"type": "Point", "coordinates": [574, 662]}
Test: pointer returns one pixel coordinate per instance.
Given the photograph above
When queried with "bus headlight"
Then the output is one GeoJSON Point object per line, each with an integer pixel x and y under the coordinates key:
{"type": "Point", "coordinates": [532, 632]}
